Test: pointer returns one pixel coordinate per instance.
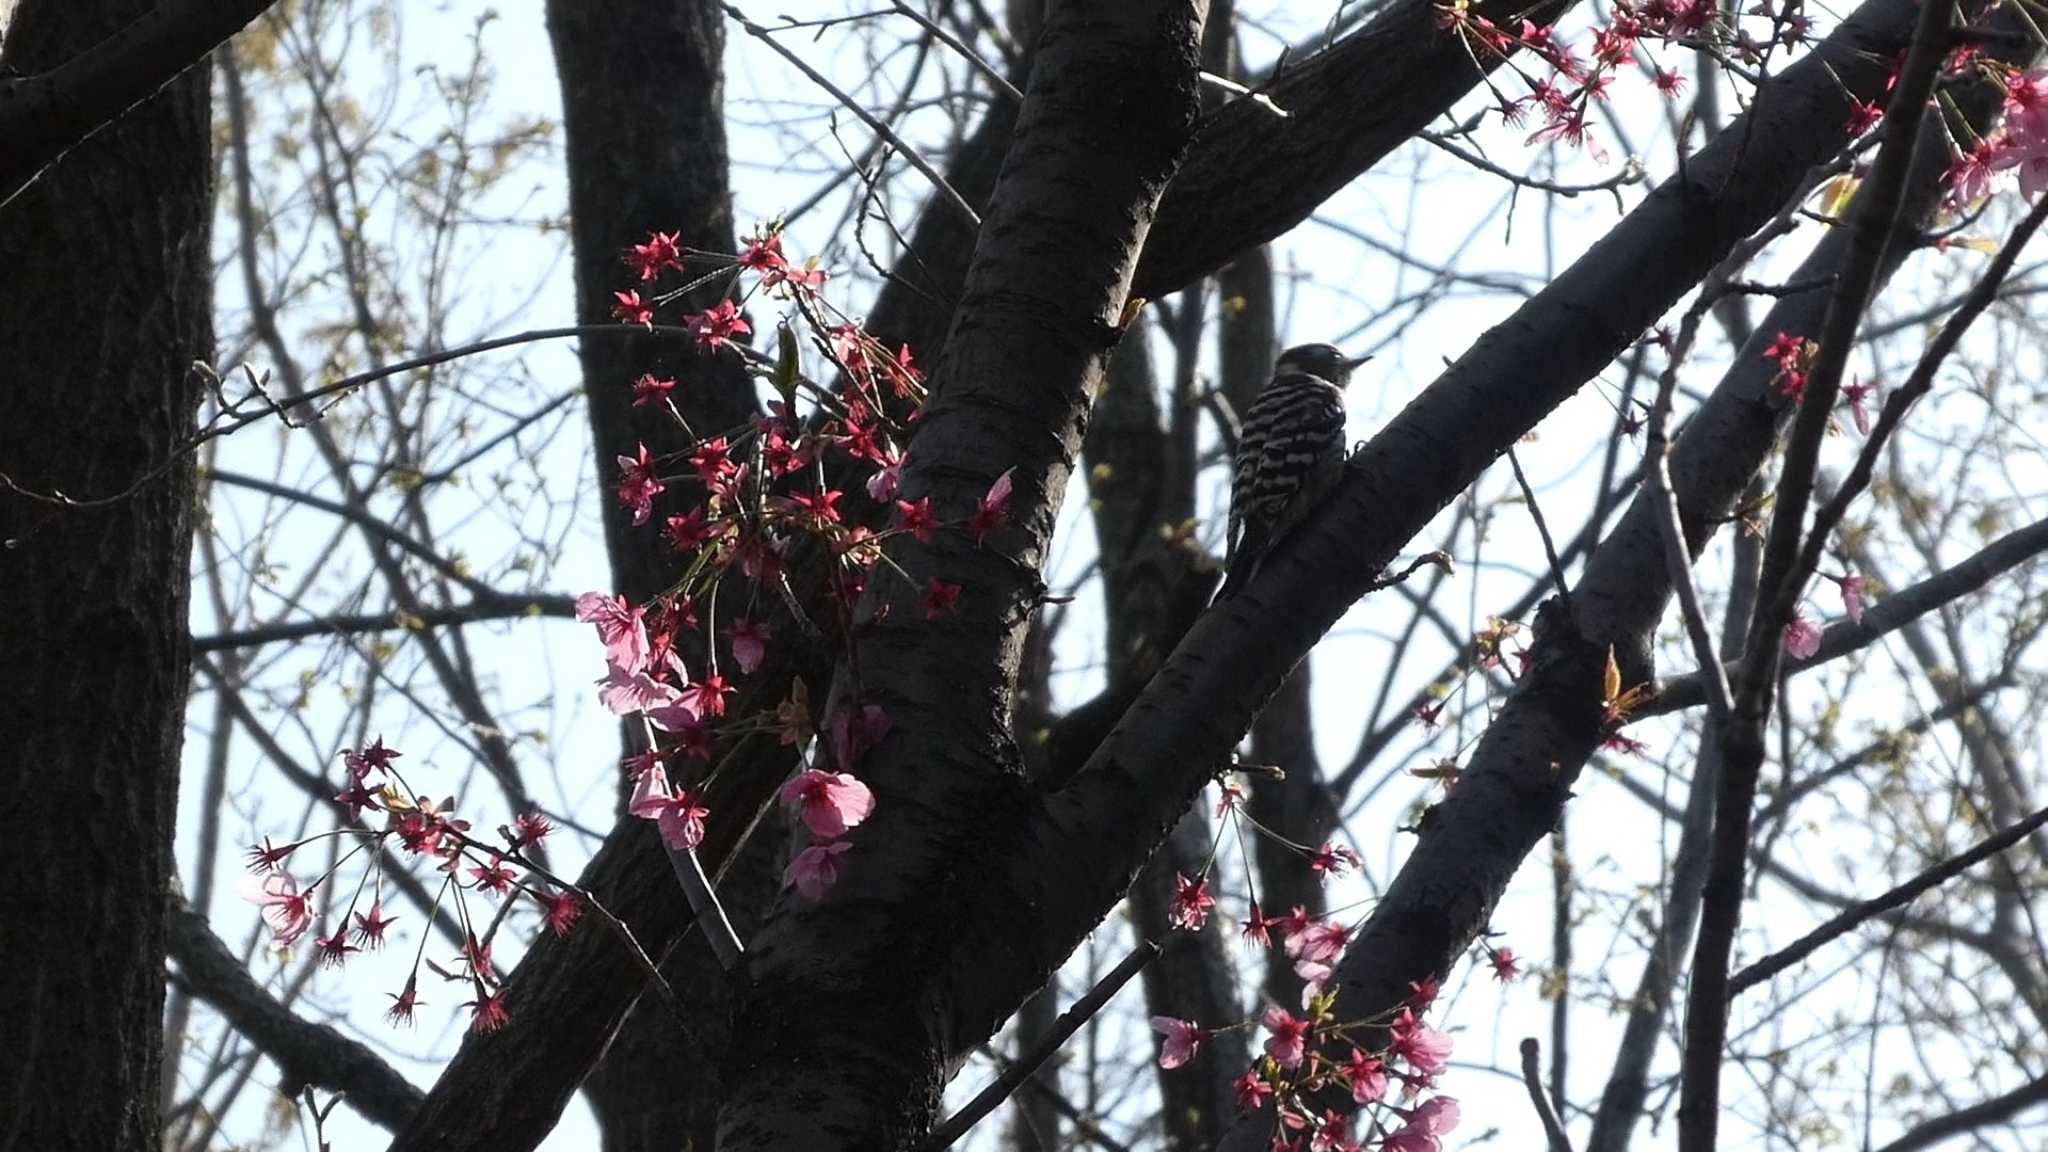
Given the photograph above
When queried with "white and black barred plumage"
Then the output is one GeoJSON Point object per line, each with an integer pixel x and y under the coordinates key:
{"type": "Point", "coordinates": [1290, 453]}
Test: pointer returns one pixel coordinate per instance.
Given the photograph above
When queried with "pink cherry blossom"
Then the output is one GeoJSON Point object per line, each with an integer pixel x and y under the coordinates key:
{"type": "Point", "coordinates": [994, 507]}
{"type": "Point", "coordinates": [1317, 941]}
{"type": "Point", "coordinates": [1425, 1128]}
{"type": "Point", "coordinates": [1425, 1049]}
{"type": "Point", "coordinates": [1505, 966]}
{"type": "Point", "coordinates": [883, 484]}
{"type": "Point", "coordinates": [749, 644]}
{"type": "Point", "coordinates": [625, 693]}
{"type": "Point", "coordinates": [1422, 995]}
{"type": "Point", "coordinates": [1191, 904]}
{"type": "Point", "coordinates": [853, 734]}
{"type": "Point", "coordinates": [1250, 1090]}
{"type": "Point", "coordinates": [678, 715]}
{"type": "Point", "coordinates": [1855, 395]}
{"type": "Point", "coordinates": [676, 813]}
{"type": "Point", "coordinates": [1288, 1042]}
{"type": "Point", "coordinates": [1802, 638]}
{"type": "Point", "coordinates": [287, 910]}
{"type": "Point", "coordinates": [648, 389]}
{"type": "Point", "coordinates": [639, 483]}
{"type": "Point", "coordinates": [830, 802]}
{"type": "Point", "coordinates": [620, 625]}
{"type": "Point", "coordinates": [717, 326]}
{"type": "Point", "coordinates": [1183, 1039]}
{"type": "Point", "coordinates": [1854, 588]}
{"type": "Point", "coordinates": [1367, 1076]}
{"type": "Point", "coordinates": [816, 869]}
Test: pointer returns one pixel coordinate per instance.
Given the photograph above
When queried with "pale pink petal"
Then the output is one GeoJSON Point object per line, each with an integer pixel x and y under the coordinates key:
{"type": "Point", "coordinates": [1183, 1040]}
{"type": "Point", "coordinates": [816, 869]}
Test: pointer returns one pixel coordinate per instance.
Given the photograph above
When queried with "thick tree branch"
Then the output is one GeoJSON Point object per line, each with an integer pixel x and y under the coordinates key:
{"type": "Point", "coordinates": [305, 1052]}
{"type": "Point", "coordinates": [46, 115]}
{"type": "Point", "coordinates": [1088, 838]}
{"type": "Point", "coordinates": [1898, 897]}
{"type": "Point", "coordinates": [1888, 615]}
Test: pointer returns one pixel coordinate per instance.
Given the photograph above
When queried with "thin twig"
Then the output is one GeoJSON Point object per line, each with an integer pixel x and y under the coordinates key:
{"type": "Point", "coordinates": [1027, 1063]}
{"type": "Point", "coordinates": [344, 385]}
{"type": "Point", "coordinates": [946, 192]}
{"type": "Point", "coordinates": [1532, 1078]}
{"type": "Point", "coordinates": [994, 74]}
{"type": "Point", "coordinates": [1252, 94]}
{"type": "Point", "coordinates": [1980, 297]}
{"type": "Point", "coordinates": [1895, 611]}
{"type": "Point", "coordinates": [1900, 896]}
{"type": "Point", "coordinates": [698, 889]}
{"type": "Point", "coordinates": [1631, 172]}
{"type": "Point", "coordinates": [1670, 527]}
{"type": "Point", "coordinates": [1564, 591]}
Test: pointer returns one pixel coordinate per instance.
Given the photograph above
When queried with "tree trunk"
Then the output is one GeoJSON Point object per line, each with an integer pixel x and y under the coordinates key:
{"type": "Point", "coordinates": [643, 113]}
{"type": "Point", "coordinates": [107, 299]}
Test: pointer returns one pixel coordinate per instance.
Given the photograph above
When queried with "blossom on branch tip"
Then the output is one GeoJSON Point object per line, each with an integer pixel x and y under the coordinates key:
{"type": "Point", "coordinates": [829, 802]}
{"type": "Point", "coordinates": [1802, 638]}
{"type": "Point", "coordinates": [716, 326]}
{"type": "Point", "coordinates": [1191, 903]}
{"type": "Point", "coordinates": [1854, 588]}
{"type": "Point", "coordinates": [286, 910]}
{"type": "Point", "coordinates": [627, 693]}
{"type": "Point", "coordinates": [816, 869]}
{"type": "Point", "coordinates": [940, 598]}
{"type": "Point", "coordinates": [1289, 1040]}
{"type": "Point", "coordinates": [1422, 1048]}
{"type": "Point", "coordinates": [559, 910]}
{"type": "Point", "coordinates": [993, 509]}
{"type": "Point", "coordinates": [1183, 1039]}
{"type": "Point", "coordinates": [404, 1002]}
{"type": "Point", "coordinates": [1367, 1076]}
{"type": "Point", "coordinates": [621, 627]}
{"type": "Point", "coordinates": [649, 390]}
{"type": "Point", "coordinates": [1250, 1090]}
{"type": "Point", "coordinates": [749, 641]}
{"type": "Point", "coordinates": [370, 928]}
{"type": "Point", "coordinates": [639, 483]}
{"type": "Point", "coordinates": [660, 253]}
{"type": "Point", "coordinates": [628, 308]}
{"type": "Point", "coordinates": [676, 813]}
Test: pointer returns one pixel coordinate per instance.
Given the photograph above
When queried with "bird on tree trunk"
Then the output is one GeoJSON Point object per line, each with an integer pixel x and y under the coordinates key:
{"type": "Point", "coordinates": [1290, 453]}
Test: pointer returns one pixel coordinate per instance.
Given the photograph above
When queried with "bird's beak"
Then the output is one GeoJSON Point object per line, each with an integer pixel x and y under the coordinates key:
{"type": "Point", "coordinates": [1355, 361]}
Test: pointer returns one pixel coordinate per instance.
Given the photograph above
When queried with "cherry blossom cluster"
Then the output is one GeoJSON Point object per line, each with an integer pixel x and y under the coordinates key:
{"type": "Point", "coordinates": [1564, 91]}
{"type": "Point", "coordinates": [418, 828]}
{"type": "Point", "coordinates": [2020, 145]}
{"type": "Point", "coordinates": [1310, 1059]}
{"type": "Point", "coordinates": [731, 504]}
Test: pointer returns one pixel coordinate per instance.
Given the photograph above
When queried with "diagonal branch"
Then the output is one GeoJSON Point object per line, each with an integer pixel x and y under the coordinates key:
{"type": "Point", "coordinates": [305, 1052]}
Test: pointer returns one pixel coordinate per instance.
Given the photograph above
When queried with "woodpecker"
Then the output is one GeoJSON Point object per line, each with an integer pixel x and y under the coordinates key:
{"type": "Point", "coordinates": [1290, 452]}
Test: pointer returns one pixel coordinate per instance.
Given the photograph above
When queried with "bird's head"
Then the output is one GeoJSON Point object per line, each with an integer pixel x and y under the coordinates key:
{"type": "Point", "coordinates": [1324, 361]}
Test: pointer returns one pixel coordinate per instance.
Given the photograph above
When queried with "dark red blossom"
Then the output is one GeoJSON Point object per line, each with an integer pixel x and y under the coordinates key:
{"type": "Point", "coordinates": [940, 598]}
{"type": "Point", "coordinates": [628, 308]}
{"type": "Point", "coordinates": [717, 326]}
{"type": "Point", "coordinates": [660, 253]}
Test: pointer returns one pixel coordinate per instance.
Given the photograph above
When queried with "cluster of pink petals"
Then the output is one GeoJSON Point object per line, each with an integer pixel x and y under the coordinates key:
{"type": "Point", "coordinates": [1191, 903]}
{"type": "Point", "coordinates": [1424, 1049]}
{"type": "Point", "coordinates": [675, 811]}
{"type": "Point", "coordinates": [1427, 1123]}
{"type": "Point", "coordinates": [2023, 144]}
{"type": "Point", "coordinates": [1802, 637]}
{"type": "Point", "coordinates": [287, 910]}
{"type": "Point", "coordinates": [832, 803]}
